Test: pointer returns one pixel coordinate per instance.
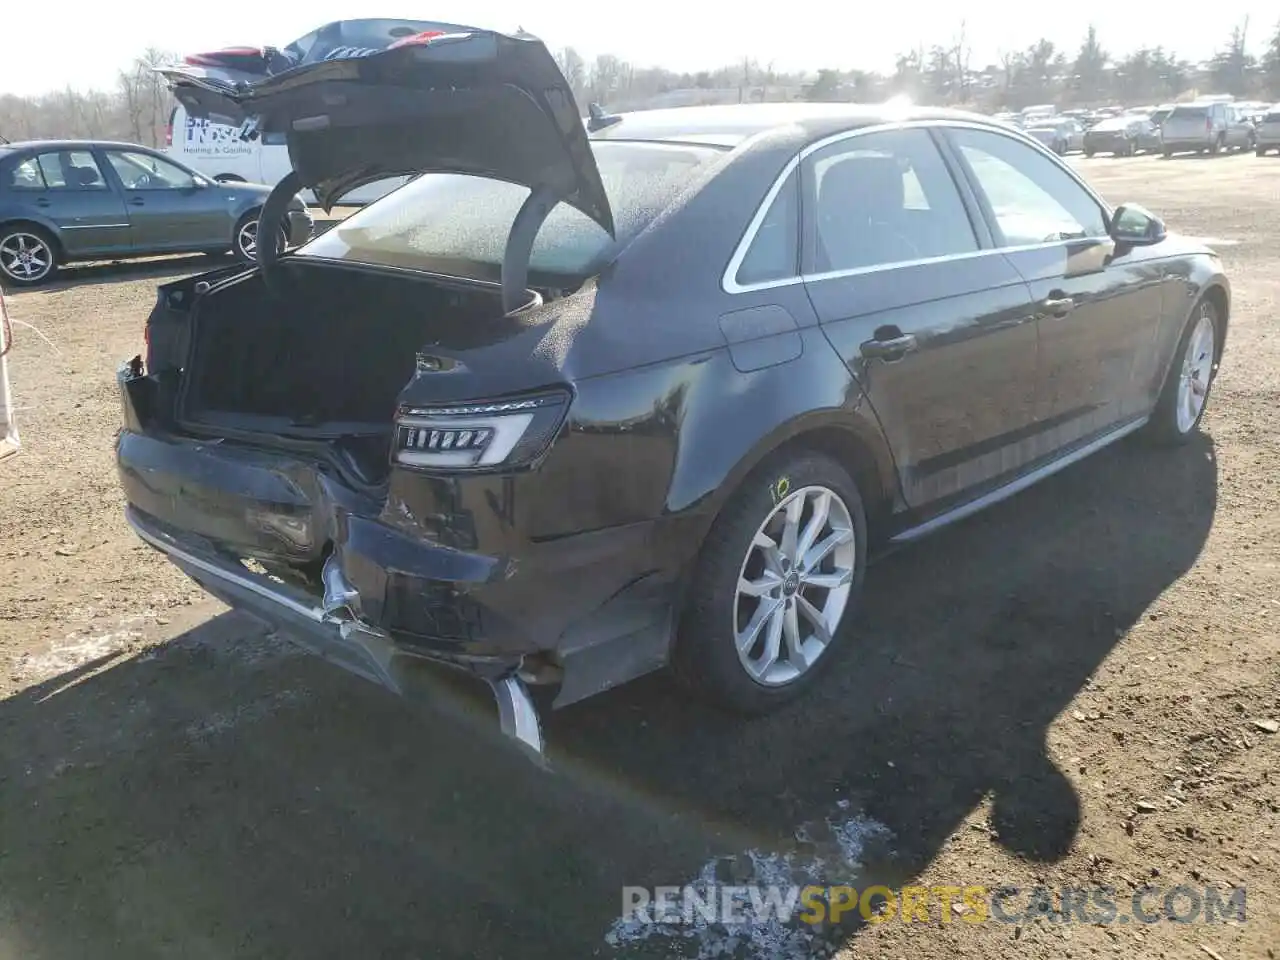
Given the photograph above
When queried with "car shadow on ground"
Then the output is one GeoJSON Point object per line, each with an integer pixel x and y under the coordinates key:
{"type": "Point", "coordinates": [224, 797]}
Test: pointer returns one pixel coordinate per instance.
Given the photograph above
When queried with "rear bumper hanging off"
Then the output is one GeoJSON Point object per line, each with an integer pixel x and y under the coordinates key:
{"type": "Point", "coordinates": [330, 628]}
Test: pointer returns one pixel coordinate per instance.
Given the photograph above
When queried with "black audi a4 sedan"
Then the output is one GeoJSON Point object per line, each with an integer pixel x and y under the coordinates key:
{"type": "Point", "coordinates": [584, 399]}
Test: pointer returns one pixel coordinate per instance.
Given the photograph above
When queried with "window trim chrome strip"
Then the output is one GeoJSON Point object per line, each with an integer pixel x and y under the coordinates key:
{"type": "Point", "coordinates": [729, 280]}
{"type": "Point", "coordinates": [90, 226]}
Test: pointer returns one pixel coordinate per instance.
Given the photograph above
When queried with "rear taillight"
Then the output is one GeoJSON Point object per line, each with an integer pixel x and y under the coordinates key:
{"type": "Point", "coordinates": [478, 436]}
{"type": "Point", "coordinates": [1208, 125]}
{"type": "Point", "coordinates": [168, 134]}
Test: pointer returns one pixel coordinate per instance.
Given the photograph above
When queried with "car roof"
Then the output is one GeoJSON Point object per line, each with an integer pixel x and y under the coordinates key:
{"type": "Point", "coordinates": [72, 145]}
{"type": "Point", "coordinates": [728, 126]}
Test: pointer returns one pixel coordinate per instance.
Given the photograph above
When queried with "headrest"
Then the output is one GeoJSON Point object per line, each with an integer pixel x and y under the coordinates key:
{"type": "Point", "coordinates": [862, 186]}
{"type": "Point", "coordinates": [84, 176]}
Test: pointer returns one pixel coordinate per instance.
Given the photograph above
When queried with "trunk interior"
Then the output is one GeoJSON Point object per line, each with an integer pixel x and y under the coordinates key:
{"type": "Point", "coordinates": [329, 351]}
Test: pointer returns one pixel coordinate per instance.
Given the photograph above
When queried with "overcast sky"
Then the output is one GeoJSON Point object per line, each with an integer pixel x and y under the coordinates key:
{"type": "Point", "coordinates": [86, 44]}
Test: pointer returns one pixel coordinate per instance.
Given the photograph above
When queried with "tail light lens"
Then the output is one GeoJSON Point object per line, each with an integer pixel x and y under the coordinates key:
{"type": "Point", "coordinates": [168, 134]}
{"type": "Point", "coordinates": [1208, 125]}
{"type": "Point", "coordinates": [478, 436]}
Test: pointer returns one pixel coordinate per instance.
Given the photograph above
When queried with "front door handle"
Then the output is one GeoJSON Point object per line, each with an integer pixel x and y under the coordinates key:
{"type": "Point", "coordinates": [138, 202]}
{"type": "Point", "coordinates": [42, 202]}
{"type": "Point", "coordinates": [1058, 306]}
{"type": "Point", "coordinates": [893, 348]}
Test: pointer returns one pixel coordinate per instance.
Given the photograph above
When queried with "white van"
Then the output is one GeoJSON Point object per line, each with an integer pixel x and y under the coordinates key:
{"type": "Point", "coordinates": [217, 151]}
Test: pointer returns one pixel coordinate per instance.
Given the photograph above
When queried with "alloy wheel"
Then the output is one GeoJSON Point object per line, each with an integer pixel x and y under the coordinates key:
{"type": "Point", "coordinates": [794, 585]}
{"type": "Point", "coordinates": [25, 257]}
{"type": "Point", "coordinates": [247, 240]}
{"type": "Point", "coordinates": [1197, 370]}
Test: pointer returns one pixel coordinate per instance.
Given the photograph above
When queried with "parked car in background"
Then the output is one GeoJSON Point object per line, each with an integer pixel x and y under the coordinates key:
{"type": "Point", "coordinates": [66, 200]}
{"type": "Point", "coordinates": [1122, 136]}
{"type": "Point", "coordinates": [769, 356]}
{"type": "Point", "coordinates": [1159, 114]}
{"type": "Point", "coordinates": [1268, 131]}
{"type": "Point", "coordinates": [1205, 126]}
{"type": "Point", "coordinates": [1062, 135]}
{"type": "Point", "coordinates": [220, 152]}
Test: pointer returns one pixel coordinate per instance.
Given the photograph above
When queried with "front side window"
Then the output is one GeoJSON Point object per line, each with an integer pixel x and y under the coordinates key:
{"type": "Point", "coordinates": [1031, 197]}
{"type": "Point", "coordinates": [880, 199]}
{"type": "Point", "coordinates": [441, 219]}
{"type": "Point", "coordinates": [143, 171]}
{"type": "Point", "coordinates": [71, 170]}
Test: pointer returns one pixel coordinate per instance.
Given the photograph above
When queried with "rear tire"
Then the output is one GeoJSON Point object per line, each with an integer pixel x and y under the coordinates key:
{"type": "Point", "coordinates": [752, 590]}
{"type": "Point", "coordinates": [1185, 395]}
{"type": "Point", "coordinates": [1260, 151]}
{"type": "Point", "coordinates": [29, 255]}
{"type": "Point", "coordinates": [244, 241]}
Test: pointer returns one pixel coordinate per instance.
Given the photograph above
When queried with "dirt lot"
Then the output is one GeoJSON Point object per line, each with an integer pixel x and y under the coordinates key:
{"type": "Point", "coordinates": [1060, 692]}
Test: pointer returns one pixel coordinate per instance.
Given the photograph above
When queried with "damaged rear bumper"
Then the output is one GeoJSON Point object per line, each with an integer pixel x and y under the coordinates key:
{"type": "Point", "coordinates": [381, 588]}
{"type": "Point", "coordinates": [329, 628]}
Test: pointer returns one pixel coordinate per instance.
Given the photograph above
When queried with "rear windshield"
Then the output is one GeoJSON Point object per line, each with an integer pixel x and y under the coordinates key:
{"type": "Point", "coordinates": [1118, 123]}
{"type": "Point", "coordinates": [1273, 116]}
{"type": "Point", "coordinates": [439, 218]}
{"type": "Point", "coordinates": [1196, 113]}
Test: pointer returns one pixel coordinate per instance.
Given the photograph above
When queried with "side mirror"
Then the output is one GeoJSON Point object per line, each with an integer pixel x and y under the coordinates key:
{"type": "Point", "coordinates": [1136, 226]}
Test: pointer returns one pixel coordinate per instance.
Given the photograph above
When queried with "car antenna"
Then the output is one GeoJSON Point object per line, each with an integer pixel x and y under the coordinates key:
{"type": "Point", "coordinates": [598, 119]}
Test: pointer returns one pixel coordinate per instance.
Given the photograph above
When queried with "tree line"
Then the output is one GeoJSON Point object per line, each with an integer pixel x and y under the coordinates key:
{"type": "Point", "coordinates": [137, 109]}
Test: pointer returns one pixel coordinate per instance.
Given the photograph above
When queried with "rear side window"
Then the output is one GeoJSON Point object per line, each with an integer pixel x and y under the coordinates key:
{"type": "Point", "coordinates": [774, 251]}
{"type": "Point", "coordinates": [880, 199]}
{"type": "Point", "coordinates": [1189, 113]}
{"type": "Point", "coordinates": [71, 170]}
{"type": "Point", "coordinates": [25, 176]}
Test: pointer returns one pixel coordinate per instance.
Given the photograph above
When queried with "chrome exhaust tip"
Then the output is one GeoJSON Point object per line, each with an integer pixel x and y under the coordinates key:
{"type": "Point", "coordinates": [518, 716]}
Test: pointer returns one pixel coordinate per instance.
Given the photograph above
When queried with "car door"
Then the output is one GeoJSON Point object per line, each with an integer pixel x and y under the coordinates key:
{"type": "Point", "coordinates": [1098, 306]}
{"type": "Point", "coordinates": [169, 207]}
{"type": "Point", "coordinates": [68, 189]}
{"type": "Point", "coordinates": [936, 326]}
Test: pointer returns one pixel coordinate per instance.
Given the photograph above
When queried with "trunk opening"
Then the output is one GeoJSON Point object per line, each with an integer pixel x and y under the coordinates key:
{"type": "Point", "coordinates": [328, 356]}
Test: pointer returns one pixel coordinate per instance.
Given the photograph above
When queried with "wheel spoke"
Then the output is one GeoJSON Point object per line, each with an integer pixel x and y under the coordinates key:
{"type": "Point", "coordinates": [819, 552]}
{"type": "Point", "coordinates": [821, 511]}
{"type": "Point", "coordinates": [815, 617]}
{"type": "Point", "coordinates": [828, 581]}
{"type": "Point", "coordinates": [768, 548]}
{"type": "Point", "coordinates": [791, 528]}
{"type": "Point", "coordinates": [764, 612]}
{"type": "Point", "coordinates": [758, 588]}
{"type": "Point", "coordinates": [791, 633]}
{"type": "Point", "coordinates": [772, 641]}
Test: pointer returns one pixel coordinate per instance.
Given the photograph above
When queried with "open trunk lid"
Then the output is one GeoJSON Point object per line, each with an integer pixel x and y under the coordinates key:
{"type": "Point", "coordinates": [363, 100]}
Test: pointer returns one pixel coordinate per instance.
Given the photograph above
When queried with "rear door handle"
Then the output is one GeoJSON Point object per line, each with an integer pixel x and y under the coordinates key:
{"type": "Point", "coordinates": [894, 348]}
{"type": "Point", "coordinates": [138, 202]}
{"type": "Point", "coordinates": [42, 202]}
{"type": "Point", "coordinates": [1058, 306]}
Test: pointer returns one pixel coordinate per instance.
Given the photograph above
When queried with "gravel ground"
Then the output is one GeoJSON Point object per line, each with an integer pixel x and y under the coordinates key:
{"type": "Point", "coordinates": [1073, 688]}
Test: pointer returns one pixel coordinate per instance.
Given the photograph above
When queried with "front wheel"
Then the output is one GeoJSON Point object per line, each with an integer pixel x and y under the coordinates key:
{"type": "Point", "coordinates": [28, 254]}
{"type": "Point", "coordinates": [779, 574]}
{"type": "Point", "coordinates": [1186, 389]}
